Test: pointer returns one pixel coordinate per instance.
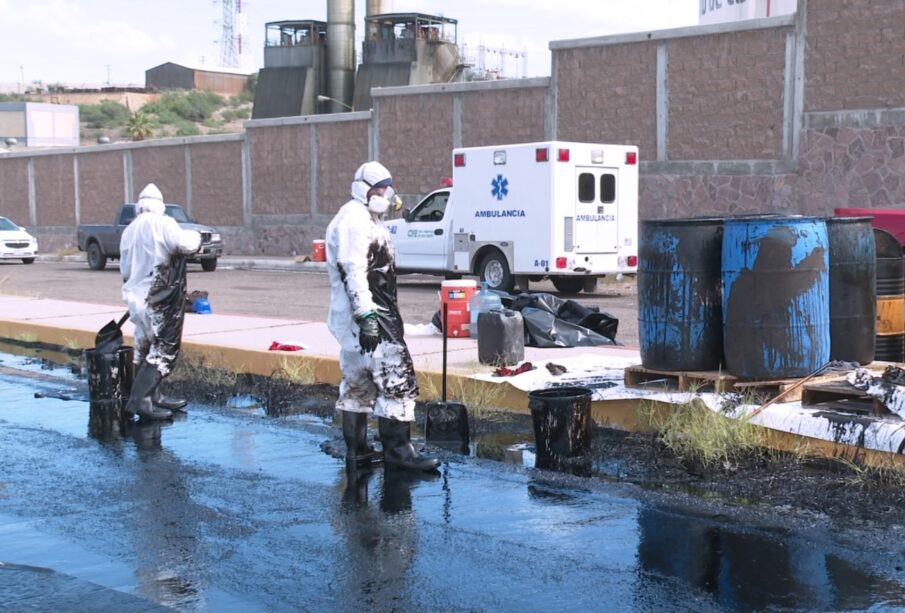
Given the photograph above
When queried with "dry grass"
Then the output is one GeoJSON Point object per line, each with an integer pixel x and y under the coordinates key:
{"type": "Point", "coordinates": [199, 368]}
{"type": "Point", "coordinates": [297, 371]}
{"type": "Point", "coordinates": [479, 397]}
{"type": "Point", "coordinates": [697, 434]}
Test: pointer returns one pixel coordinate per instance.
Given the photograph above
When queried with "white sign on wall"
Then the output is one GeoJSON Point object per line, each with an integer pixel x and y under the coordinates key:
{"type": "Point", "coordinates": [721, 11]}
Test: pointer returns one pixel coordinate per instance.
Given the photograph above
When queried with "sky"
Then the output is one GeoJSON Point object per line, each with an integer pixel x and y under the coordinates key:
{"type": "Point", "coordinates": [95, 42]}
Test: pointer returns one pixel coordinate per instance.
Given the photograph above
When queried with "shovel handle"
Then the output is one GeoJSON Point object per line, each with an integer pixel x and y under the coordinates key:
{"type": "Point", "coordinates": [122, 320]}
{"type": "Point", "coordinates": [445, 332]}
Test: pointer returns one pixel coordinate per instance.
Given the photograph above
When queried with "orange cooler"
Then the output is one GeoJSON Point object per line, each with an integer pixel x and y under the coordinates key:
{"type": "Point", "coordinates": [319, 251]}
{"type": "Point", "coordinates": [455, 295]}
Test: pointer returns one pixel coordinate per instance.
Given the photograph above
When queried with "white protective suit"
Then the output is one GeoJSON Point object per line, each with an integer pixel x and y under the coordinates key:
{"type": "Point", "coordinates": [152, 262]}
{"type": "Point", "coordinates": [362, 268]}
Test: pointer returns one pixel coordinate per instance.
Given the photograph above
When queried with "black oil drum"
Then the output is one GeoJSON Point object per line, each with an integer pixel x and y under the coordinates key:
{"type": "Point", "coordinates": [680, 322]}
{"type": "Point", "coordinates": [890, 339]}
{"type": "Point", "coordinates": [776, 303]}
{"type": "Point", "coordinates": [110, 374]}
{"type": "Point", "coordinates": [853, 289]}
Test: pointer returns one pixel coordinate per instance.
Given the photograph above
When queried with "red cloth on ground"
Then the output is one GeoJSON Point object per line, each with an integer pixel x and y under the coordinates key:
{"type": "Point", "coordinates": [504, 371]}
{"type": "Point", "coordinates": [275, 346]}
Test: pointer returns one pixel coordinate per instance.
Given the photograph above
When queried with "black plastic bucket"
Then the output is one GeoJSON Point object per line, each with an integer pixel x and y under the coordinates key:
{"type": "Point", "coordinates": [562, 424]}
{"type": "Point", "coordinates": [853, 289]}
{"type": "Point", "coordinates": [680, 294]}
{"type": "Point", "coordinates": [776, 303]}
{"type": "Point", "coordinates": [501, 337]}
{"type": "Point", "coordinates": [110, 374]}
{"type": "Point", "coordinates": [890, 339]}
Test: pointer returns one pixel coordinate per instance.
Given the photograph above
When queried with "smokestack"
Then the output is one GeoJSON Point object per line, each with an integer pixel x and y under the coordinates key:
{"type": "Point", "coordinates": [378, 7]}
{"type": "Point", "coordinates": [341, 52]}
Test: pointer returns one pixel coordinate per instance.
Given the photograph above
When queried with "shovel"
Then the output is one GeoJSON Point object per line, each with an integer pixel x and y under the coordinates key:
{"type": "Point", "coordinates": [110, 337]}
{"type": "Point", "coordinates": [446, 423]}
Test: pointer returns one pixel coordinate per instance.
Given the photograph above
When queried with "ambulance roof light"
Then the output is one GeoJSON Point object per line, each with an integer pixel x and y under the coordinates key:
{"type": "Point", "coordinates": [459, 160]}
{"type": "Point", "coordinates": [562, 155]}
{"type": "Point", "coordinates": [631, 158]}
{"type": "Point", "coordinates": [541, 154]}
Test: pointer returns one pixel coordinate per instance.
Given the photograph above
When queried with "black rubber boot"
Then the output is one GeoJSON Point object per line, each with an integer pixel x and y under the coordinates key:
{"type": "Point", "coordinates": [398, 450]}
{"type": "Point", "coordinates": [166, 402]}
{"type": "Point", "coordinates": [356, 493]}
{"type": "Point", "coordinates": [355, 432]}
{"type": "Point", "coordinates": [146, 381]}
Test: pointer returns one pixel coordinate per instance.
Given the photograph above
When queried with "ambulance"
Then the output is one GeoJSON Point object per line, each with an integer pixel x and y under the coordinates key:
{"type": "Point", "coordinates": [520, 213]}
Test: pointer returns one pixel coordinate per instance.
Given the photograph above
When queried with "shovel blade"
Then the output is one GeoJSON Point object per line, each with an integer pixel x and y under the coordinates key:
{"type": "Point", "coordinates": [447, 422]}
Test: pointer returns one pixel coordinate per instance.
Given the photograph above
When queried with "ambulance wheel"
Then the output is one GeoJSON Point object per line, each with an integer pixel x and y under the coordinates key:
{"type": "Point", "coordinates": [495, 270]}
{"type": "Point", "coordinates": [568, 285]}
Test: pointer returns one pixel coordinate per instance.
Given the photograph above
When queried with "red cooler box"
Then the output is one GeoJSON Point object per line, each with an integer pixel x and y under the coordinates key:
{"type": "Point", "coordinates": [455, 295]}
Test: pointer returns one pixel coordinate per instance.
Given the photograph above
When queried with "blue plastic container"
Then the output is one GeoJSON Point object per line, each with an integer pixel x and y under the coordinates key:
{"type": "Point", "coordinates": [776, 310]}
{"type": "Point", "coordinates": [680, 315]}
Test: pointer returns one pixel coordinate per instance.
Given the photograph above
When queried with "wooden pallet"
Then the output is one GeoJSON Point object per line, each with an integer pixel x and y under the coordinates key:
{"type": "Point", "coordinates": [708, 381]}
{"type": "Point", "coordinates": [838, 395]}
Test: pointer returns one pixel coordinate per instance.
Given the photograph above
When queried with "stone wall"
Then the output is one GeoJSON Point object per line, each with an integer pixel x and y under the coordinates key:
{"type": "Point", "coordinates": [726, 96]}
{"type": "Point", "coordinates": [14, 190]}
{"type": "Point", "coordinates": [855, 51]}
{"type": "Point", "coordinates": [607, 94]}
{"type": "Point", "coordinates": [792, 114]}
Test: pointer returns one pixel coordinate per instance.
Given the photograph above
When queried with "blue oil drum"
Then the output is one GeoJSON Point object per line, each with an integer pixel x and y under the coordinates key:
{"type": "Point", "coordinates": [853, 289]}
{"type": "Point", "coordinates": [776, 303]}
{"type": "Point", "coordinates": [680, 317]}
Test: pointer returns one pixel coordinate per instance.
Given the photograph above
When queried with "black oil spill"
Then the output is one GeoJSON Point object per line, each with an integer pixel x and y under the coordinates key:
{"type": "Point", "coordinates": [229, 510]}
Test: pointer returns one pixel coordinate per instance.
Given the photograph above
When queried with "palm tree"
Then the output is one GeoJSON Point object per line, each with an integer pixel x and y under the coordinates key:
{"type": "Point", "coordinates": [139, 126]}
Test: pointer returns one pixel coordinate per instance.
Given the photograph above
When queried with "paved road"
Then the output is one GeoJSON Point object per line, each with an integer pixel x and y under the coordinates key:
{"type": "Point", "coordinates": [302, 294]}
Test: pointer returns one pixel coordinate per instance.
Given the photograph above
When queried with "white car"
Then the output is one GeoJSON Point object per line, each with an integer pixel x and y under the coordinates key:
{"type": "Point", "coordinates": [16, 243]}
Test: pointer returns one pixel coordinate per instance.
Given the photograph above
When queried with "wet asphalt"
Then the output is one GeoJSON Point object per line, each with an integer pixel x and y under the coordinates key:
{"type": "Point", "coordinates": [230, 510]}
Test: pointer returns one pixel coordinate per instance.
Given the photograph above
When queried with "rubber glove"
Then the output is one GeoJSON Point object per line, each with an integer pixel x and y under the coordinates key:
{"type": "Point", "coordinates": [369, 332]}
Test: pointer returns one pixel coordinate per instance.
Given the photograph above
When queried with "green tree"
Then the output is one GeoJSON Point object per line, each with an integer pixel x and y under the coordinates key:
{"type": "Point", "coordinates": [139, 126]}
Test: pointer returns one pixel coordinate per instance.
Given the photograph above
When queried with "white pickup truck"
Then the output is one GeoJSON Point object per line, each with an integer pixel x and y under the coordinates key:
{"type": "Point", "coordinates": [563, 210]}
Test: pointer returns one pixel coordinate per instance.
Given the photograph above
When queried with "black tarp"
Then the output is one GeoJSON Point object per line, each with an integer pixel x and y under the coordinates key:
{"type": "Point", "coordinates": [553, 322]}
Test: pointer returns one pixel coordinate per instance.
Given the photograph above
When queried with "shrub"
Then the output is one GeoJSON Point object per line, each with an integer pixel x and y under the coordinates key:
{"type": "Point", "coordinates": [104, 114]}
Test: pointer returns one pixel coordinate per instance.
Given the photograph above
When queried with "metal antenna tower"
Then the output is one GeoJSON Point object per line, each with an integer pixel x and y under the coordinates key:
{"type": "Point", "coordinates": [232, 34]}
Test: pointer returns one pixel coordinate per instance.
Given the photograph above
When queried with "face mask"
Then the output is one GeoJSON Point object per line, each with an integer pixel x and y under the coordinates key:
{"type": "Point", "coordinates": [378, 205]}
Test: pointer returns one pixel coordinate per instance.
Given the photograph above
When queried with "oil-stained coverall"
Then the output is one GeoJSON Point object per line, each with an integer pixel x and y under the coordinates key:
{"type": "Point", "coordinates": [378, 374]}
{"type": "Point", "coordinates": [153, 251]}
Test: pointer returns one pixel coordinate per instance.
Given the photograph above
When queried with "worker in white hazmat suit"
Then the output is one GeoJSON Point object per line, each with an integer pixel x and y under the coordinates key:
{"type": "Point", "coordinates": [378, 374]}
{"type": "Point", "coordinates": [153, 251]}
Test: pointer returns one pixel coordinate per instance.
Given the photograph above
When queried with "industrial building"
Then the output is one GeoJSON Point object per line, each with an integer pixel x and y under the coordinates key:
{"type": "Point", "coordinates": [36, 124]}
{"type": "Point", "coordinates": [309, 66]}
{"type": "Point", "coordinates": [226, 81]}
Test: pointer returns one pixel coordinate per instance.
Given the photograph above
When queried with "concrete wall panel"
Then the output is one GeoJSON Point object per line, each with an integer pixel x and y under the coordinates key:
{"type": "Point", "coordinates": [855, 51]}
{"type": "Point", "coordinates": [14, 190]}
{"type": "Point", "coordinates": [415, 136]}
{"type": "Point", "coordinates": [217, 183]}
{"type": "Point", "coordinates": [163, 166]}
{"type": "Point", "coordinates": [503, 117]}
{"type": "Point", "coordinates": [54, 190]}
{"type": "Point", "coordinates": [608, 94]}
{"type": "Point", "coordinates": [101, 182]}
{"type": "Point", "coordinates": [280, 169]}
{"type": "Point", "coordinates": [726, 96]}
{"type": "Point", "coordinates": [341, 147]}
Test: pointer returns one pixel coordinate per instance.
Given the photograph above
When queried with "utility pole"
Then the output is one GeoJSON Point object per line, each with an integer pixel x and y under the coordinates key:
{"type": "Point", "coordinates": [108, 75]}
